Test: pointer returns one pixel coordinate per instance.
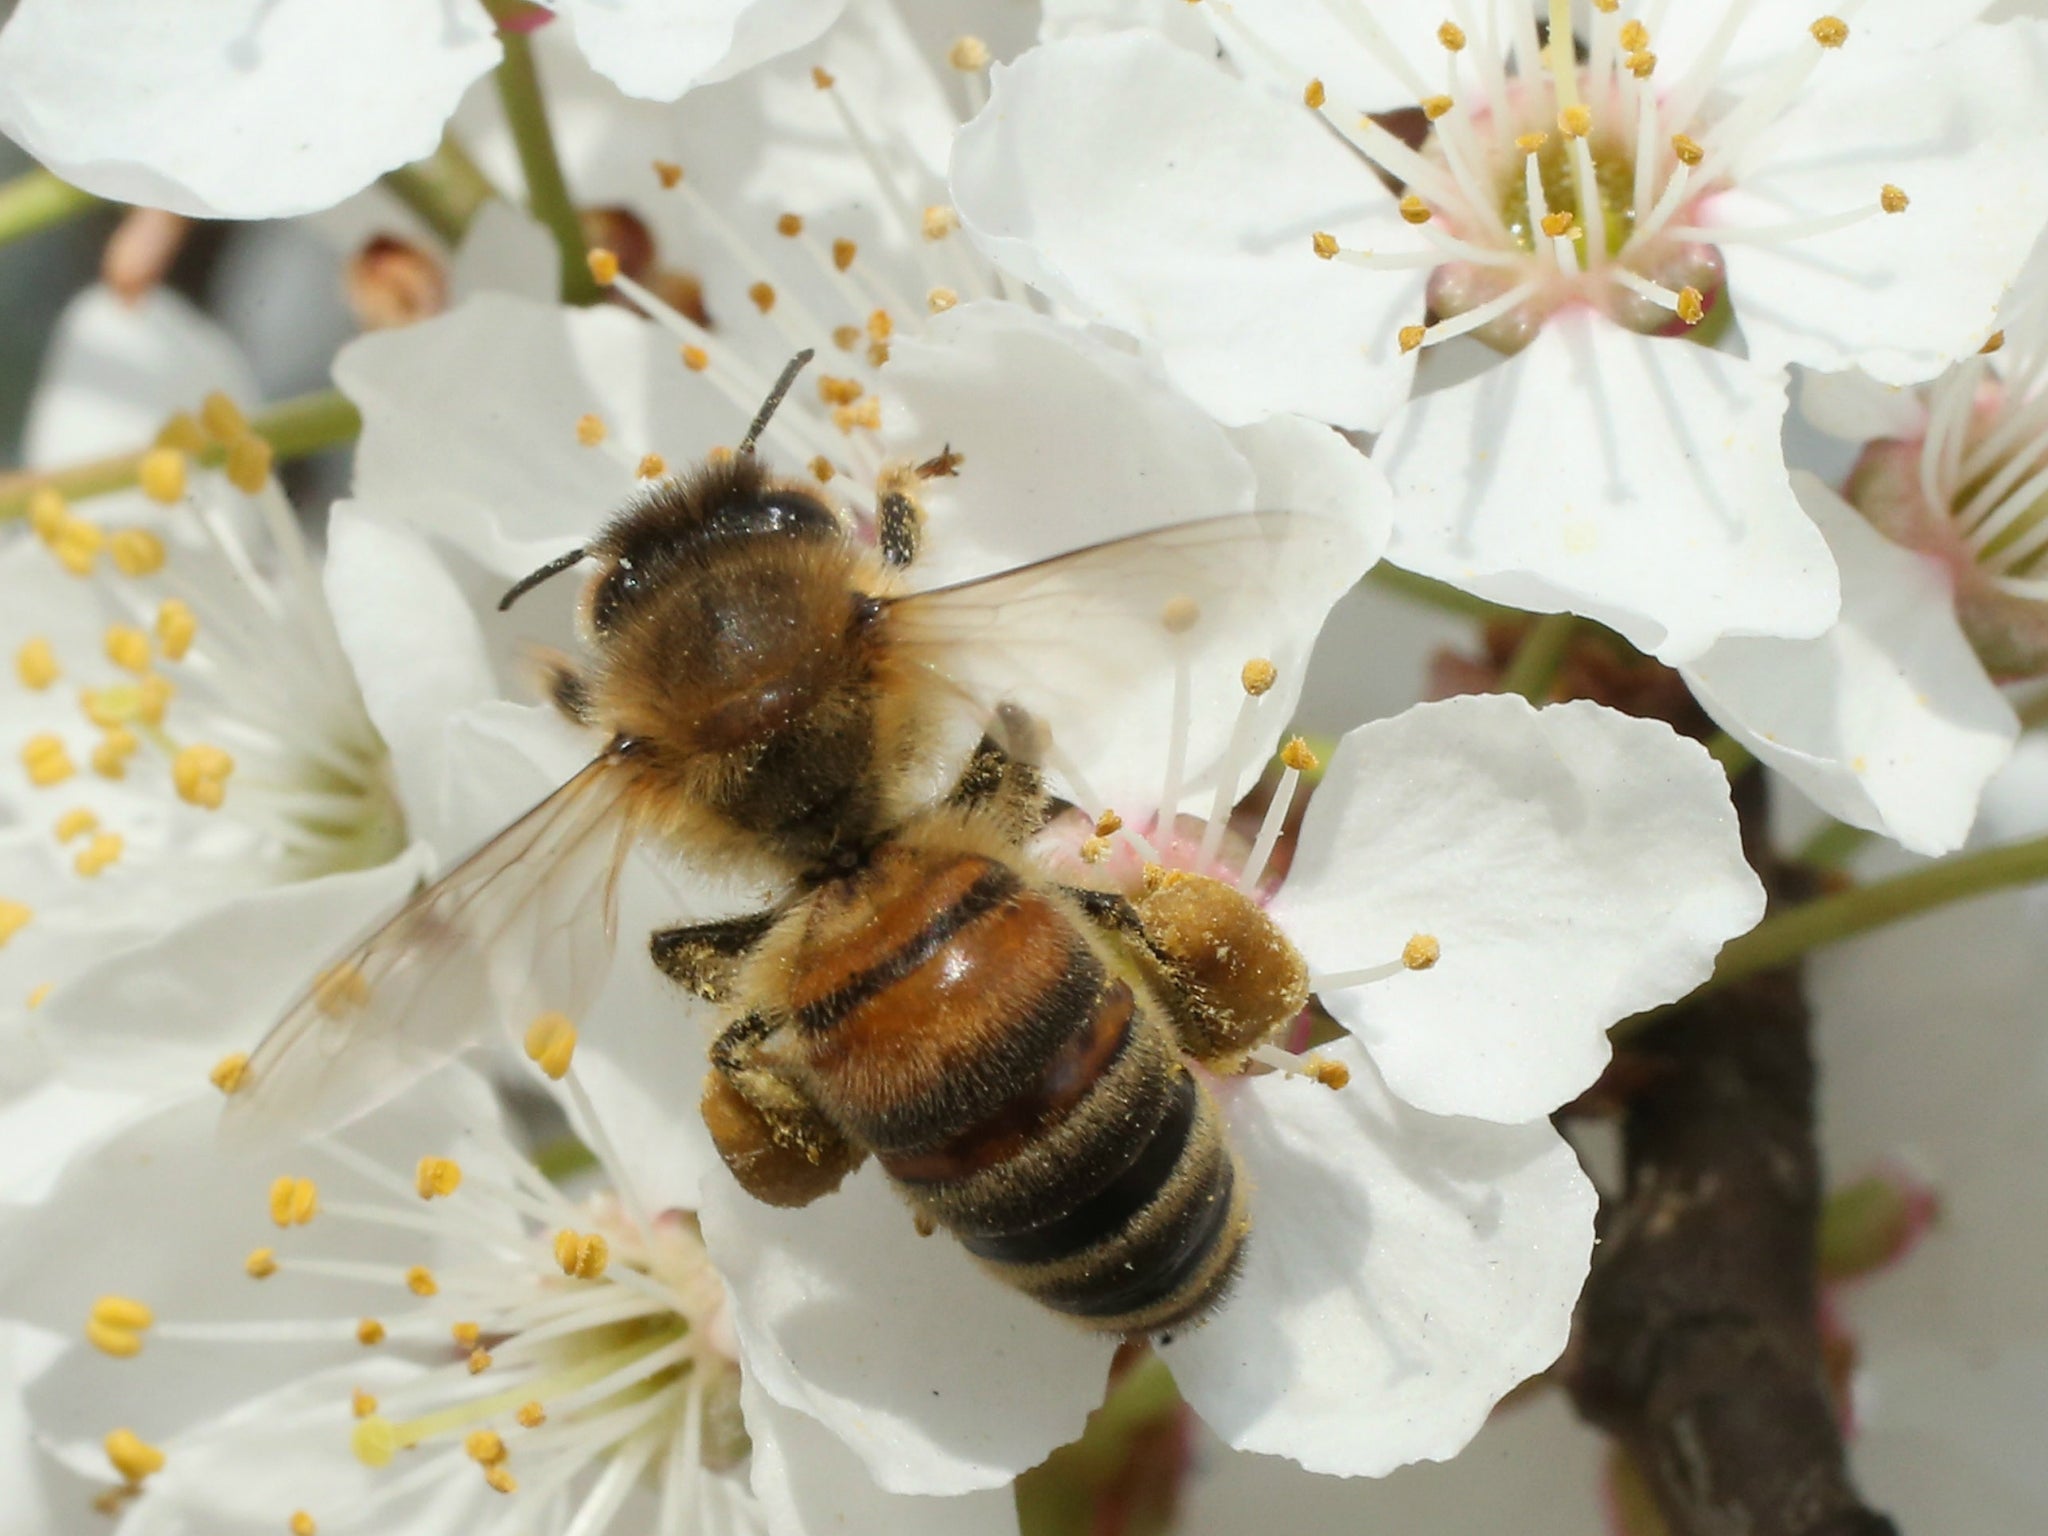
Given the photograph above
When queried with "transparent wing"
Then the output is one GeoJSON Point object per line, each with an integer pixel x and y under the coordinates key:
{"type": "Point", "coordinates": [521, 927]}
{"type": "Point", "coordinates": [1096, 643]}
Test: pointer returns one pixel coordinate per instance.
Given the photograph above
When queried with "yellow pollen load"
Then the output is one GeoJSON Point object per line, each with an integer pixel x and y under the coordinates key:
{"type": "Point", "coordinates": [763, 295]}
{"type": "Point", "coordinates": [374, 1440]}
{"type": "Point", "coordinates": [968, 54]}
{"type": "Point", "coordinates": [1258, 676]}
{"type": "Point", "coordinates": [843, 252]}
{"type": "Point", "coordinates": [1298, 756]}
{"type": "Point", "coordinates": [127, 647]}
{"type": "Point", "coordinates": [303, 1524]}
{"type": "Point", "coordinates": [1414, 209]}
{"type": "Point", "coordinates": [789, 225]}
{"type": "Point", "coordinates": [531, 1415]}
{"type": "Point", "coordinates": [1451, 35]}
{"type": "Point", "coordinates": [485, 1446]}
{"type": "Point", "coordinates": [501, 1480]}
{"type": "Point", "coordinates": [1421, 952]}
{"type": "Point", "coordinates": [248, 464]}
{"type": "Point", "coordinates": [940, 299]}
{"type": "Point", "coordinates": [14, 916]}
{"type": "Point", "coordinates": [466, 1334]}
{"type": "Point", "coordinates": [1108, 824]}
{"type": "Point", "coordinates": [1558, 225]}
{"type": "Point", "coordinates": [1325, 244]}
{"type": "Point", "coordinates": [116, 1324]}
{"type": "Point", "coordinates": [362, 1404]}
{"type": "Point", "coordinates": [110, 755]}
{"type": "Point", "coordinates": [338, 990]}
{"type": "Point", "coordinates": [668, 173]}
{"type": "Point", "coordinates": [162, 475]}
{"type": "Point", "coordinates": [369, 1333]}
{"type": "Point", "coordinates": [75, 822]}
{"type": "Point", "coordinates": [822, 77]}
{"type": "Point", "coordinates": [1410, 337]}
{"type": "Point", "coordinates": [1891, 199]}
{"type": "Point", "coordinates": [46, 760]}
{"type": "Point", "coordinates": [696, 359]}
{"type": "Point", "coordinates": [229, 1072]}
{"type": "Point", "coordinates": [421, 1282]}
{"type": "Point", "coordinates": [1575, 121]}
{"type": "Point", "coordinates": [1692, 305]}
{"type": "Point", "coordinates": [939, 221]}
{"type": "Point", "coordinates": [551, 1044]}
{"type": "Point", "coordinates": [437, 1176]}
{"type": "Point", "coordinates": [1634, 37]}
{"type": "Point", "coordinates": [1434, 107]}
{"type": "Point", "coordinates": [1313, 95]}
{"type": "Point", "coordinates": [652, 466]}
{"type": "Point", "coordinates": [604, 267]}
{"type": "Point", "coordinates": [589, 429]}
{"type": "Point", "coordinates": [479, 1361]}
{"type": "Point", "coordinates": [133, 1457]}
{"type": "Point", "coordinates": [36, 664]}
{"type": "Point", "coordinates": [582, 1255]}
{"type": "Point", "coordinates": [293, 1201]}
{"type": "Point", "coordinates": [136, 552]}
{"type": "Point", "coordinates": [98, 855]}
{"type": "Point", "coordinates": [200, 775]}
{"type": "Point", "coordinates": [222, 418]}
{"type": "Point", "coordinates": [1830, 31]}
{"type": "Point", "coordinates": [1529, 143]}
{"type": "Point", "coordinates": [261, 1263]}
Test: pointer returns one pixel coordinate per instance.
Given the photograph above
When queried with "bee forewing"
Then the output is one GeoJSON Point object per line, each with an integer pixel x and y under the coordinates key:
{"type": "Point", "coordinates": [1089, 642]}
{"type": "Point", "coordinates": [521, 927]}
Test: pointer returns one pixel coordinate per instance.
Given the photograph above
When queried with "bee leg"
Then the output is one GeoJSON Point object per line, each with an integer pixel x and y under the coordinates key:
{"type": "Point", "coordinates": [899, 523]}
{"type": "Point", "coordinates": [703, 957]}
{"type": "Point", "coordinates": [1003, 787]}
{"type": "Point", "coordinates": [779, 1148]}
{"type": "Point", "coordinates": [563, 684]}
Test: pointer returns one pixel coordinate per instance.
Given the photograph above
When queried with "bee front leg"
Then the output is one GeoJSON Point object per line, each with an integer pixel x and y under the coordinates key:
{"type": "Point", "coordinates": [704, 957]}
{"type": "Point", "coordinates": [779, 1148]}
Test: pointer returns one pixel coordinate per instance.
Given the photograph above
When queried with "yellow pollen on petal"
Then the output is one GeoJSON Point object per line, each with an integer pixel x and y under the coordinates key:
{"type": "Point", "coordinates": [162, 475]}
{"type": "Point", "coordinates": [249, 463]}
{"type": "Point", "coordinates": [1313, 94]}
{"type": "Point", "coordinates": [551, 1044]}
{"type": "Point", "coordinates": [222, 418]}
{"type": "Point", "coordinates": [1298, 756]}
{"type": "Point", "coordinates": [590, 429]}
{"type": "Point", "coordinates": [369, 1332]}
{"type": "Point", "coordinates": [98, 855]}
{"type": "Point", "coordinates": [1559, 224]}
{"type": "Point", "coordinates": [133, 1457]}
{"type": "Point", "coordinates": [1575, 121]}
{"type": "Point", "coordinates": [229, 1072]}
{"type": "Point", "coordinates": [479, 1361]}
{"type": "Point", "coordinates": [374, 1439]}
{"type": "Point", "coordinates": [939, 300]}
{"type": "Point", "coordinates": [668, 173]}
{"type": "Point", "coordinates": [362, 1404]}
{"type": "Point", "coordinates": [261, 1263]}
{"type": "Point", "coordinates": [531, 1415]}
{"type": "Point", "coordinates": [36, 664]}
{"type": "Point", "coordinates": [1692, 305]}
{"type": "Point", "coordinates": [763, 295]}
{"type": "Point", "coordinates": [1414, 209]}
{"type": "Point", "coordinates": [1410, 337]}
{"type": "Point", "coordinates": [696, 359]}
{"type": "Point", "coordinates": [421, 1282]}
{"type": "Point", "coordinates": [200, 774]}
{"type": "Point", "coordinates": [1634, 37]}
{"type": "Point", "coordinates": [1434, 107]}
{"type": "Point", "coordinates": [968, 54]}
{"type": "Point", "coordinates": [485, 1446]}
{"type": "Point", "coordinates": [1529, 143]}
{"type": "Point", "coordinates": [501, 1480]}
{"type": "Point", "coordinates": [303, 1524]}
{"type": "Point", "coordinates": [822, 77]}
{"type": "Point", "coordinates": [437, 1177]}
{"type": "Point", "coordinates": [582, 1255]}
{"type": "Point", "coordinates": [1325, 244]}
{"type": "Point", "coordinates": [1421, 952]}
{"type": "Point", "coordinates": [127, 647]}
{"type": "Point", "coordinates": [1830, 31]}
{"type": "Point", "coordinates": [14, 916]}
{"type": "Point", "coordinates": [1451, 35]}
{"type": "Point", "coordinates": [136, 552]}
{"type": "Point", "coordinates": [110, 755]}
{"type": "Point", "coordinates": [789, 225]}
{"type": "Point", "coordinates": [652, 466]}
{"type": "Point", "coordinates": [1687, 149]}
{"type": "Point", "coordinates": [466, 1334]}
{"type": "Point", "coordinates": [843, 252]}
{"type": "Point", "coordinates": [75, 822]}
{"type": "Point", "coordinates": [46, 760]}
{"type": "Point", "coordinates": [293, 1201]}
{"type": "Point", "coordinates": [1258, 676]}
{"type": "Point", "coordinates": [939, 221]}
{"type": "Point", "coordinates": [1892, 200]}
{"type": "Point", "coordinates": [339, 989]}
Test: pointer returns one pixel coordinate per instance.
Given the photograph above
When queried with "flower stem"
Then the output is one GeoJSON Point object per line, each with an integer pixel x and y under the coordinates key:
{"type": "Point", "coordinates": [36, 200]}
{"type": "Point", "coordinates": [547, 191]}
{"type": "Point", "coordinates": [1436, 594]}
{"type": "Point", "coordinates": [1731, 754]}
{"type": "Point", "coordinates": [445, 189]}
{"type": "Point", "coordinates": [294, 428]}
{"type": "Point", "coordinates": [1537, 659]}
{"type": "Point", "coordinates": [1790, 934]}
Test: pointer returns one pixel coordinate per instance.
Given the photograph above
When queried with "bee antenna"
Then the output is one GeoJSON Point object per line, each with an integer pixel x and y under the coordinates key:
{"type": "Point", "coordinates": [528, 582]}
{"type": "Point", "coordinates": [790, 370]}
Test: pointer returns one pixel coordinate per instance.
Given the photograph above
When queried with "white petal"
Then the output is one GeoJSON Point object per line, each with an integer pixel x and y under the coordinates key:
{"type": "Point", "coordinates": [1576, 864]}
{"type": "Point", "coordinates": [506, 250]}
{"type": "Point", "coordinates": [1963, 129]}
{"type": "Point", "coordinates": [1854, 406]}
{"type": "Point", "coordinates": [235, 108]}
{"type": "Point", "coordinates": [1636, 480]}
{"type": "Point", "coordinates": [659, 49]}
{"type": "Point", "coordinates": [940, 1378]}
{"type": "Point", "coordinates": [1404, 1271]}
{"type": "Point", "coordinates": [1175, 20]}
{"type": "Point", "coordinates": [1148, 190]}
{"type": "Point", "coordinates": [1887, 721]}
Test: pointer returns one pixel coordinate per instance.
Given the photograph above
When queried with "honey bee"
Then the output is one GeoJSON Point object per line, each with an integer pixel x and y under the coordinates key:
{"type": "Point", "coordinates": [773, 699]}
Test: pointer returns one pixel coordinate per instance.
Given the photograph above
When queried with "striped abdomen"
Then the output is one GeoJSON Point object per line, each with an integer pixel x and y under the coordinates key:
{"type": "Point", "coordinates": [956, 1020]}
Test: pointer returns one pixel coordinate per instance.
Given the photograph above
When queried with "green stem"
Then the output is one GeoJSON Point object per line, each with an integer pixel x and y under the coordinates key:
{"type": "Point", "coordinates": [547, 191]}
{"type": "Point", "coordinates": [1834, 845]}
{"type": "Point", "coordinates": [1436, 594]}
{"type": "Point", "coordinates": [1731, 754]}
{"type": "Point", "coordinates": [445, 189]}
{"type": "Point", "coordinates": [294, 428]}
{"type": "Point", "coordinates": [1783, 938]}
{"type": "Point", "coordinates": [1536, 661]}
{"type": "Point", "coordinates": [36, 200]}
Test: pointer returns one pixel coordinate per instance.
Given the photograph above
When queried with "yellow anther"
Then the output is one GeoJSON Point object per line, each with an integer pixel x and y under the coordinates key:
{"type": "Point", "coordinates": [1692, 305]}
{"type": "Point", "coordinates": [261, 1263]}
{"type": "Point", "coordinates": [184, 433]}
{"type": "Point", "coordinates": [162, 475]}
{"type": "Point", "coordinates": [40, 994]}
{"type": "Point", "coordinates": [77, 544]}
{"type": "Point", "coordinates": [1892, 199]}
{"type": "Point", "coordinates": [1451, 35]}
{"type": "Point", "coordinates": [1558, 225]}
{"type": "Point", "coordinates": [822, 77]}
{"type": "Point", "coordinates": [369, 1332]}
{"type": "Point", "coordinates": [466, 1334]}
{"type": "Point", "coordinates": [821, 469]}
{"type": "Point", "coordinates": [485, 1446]}
{"type": "Point", "coordinates": [531, 1415]}
{"type": "Point", "coordinates": [176, 628]}
{"type": "Point", "coordinates": [696, 359]}
{"type": "Point", "coordinates": [1434, 107]}
{"type": "Point", "coordinates": [222, 418]}
{"type": "Point", "coordinates": [1094, 850]}
{"type": "Point", "coordinates": [668, 173]}
{"type": "Point", "coordinates": [1411, 336]}
{"type": "Point", "coordinates": [303, 1524]}
{"type": "Point", "coordinates": [582, 1255]}
{"type": "Point", "coordinates": [133, 1457]}
{"type": "Point", "coordinates": [75, 822]}
{"type": "Point", "coordinates": [968, 53]}
{"type": "Point", "coordinates": [1258, 676]}
{"type": "Point", "coordinates": [789, 225]}
{"type": "Point", "coordinates": [1325, 244]}
{"type": "Point", "coordinates": [938, 300]}
{"type": "Point", "coordinates": [551, 1044]}
{"type": "Point", "coordinates": [1331, 1074]}
{"type": "Point", "coordinates": [1830, 31]}
{"type": "Point", "coordinates": [1313, 94]}
{"type": "Point", "coordinates": [36, 664]}
{"type": "Point", "coordinates": [1180, 614]}
{"type": "Point", "coordinates": [604, 267]}
{"type": "Point", "coordinates": [229, 1072]}
{"type": "Point", "coordinates": [1108, 824]}
{"type": "Point", "coordinates": [437, 1176]}
{"type": "Point", "coordinates": [1298, 756]}
{"type": "Point", "coordinates": [98, 855]}
{"type": "Point", "coordinates": [834, 390]}
{"type": "Point", "coordinates": [127, 647]}
{"type": "Point", "coordinates": [1687, 149]}
{"type": "Point", "coordinates": [293, 1201]}
{"type": "Point", "coordinates": [880, 326]}
{"type": "Point", "coordinates": [1421, 952]}
{"type": "Point", "coordinates": [136, 552]}
{"type": "Point", "coordinates": [866, 414]}
{"type": "Point", "coordinates": [718, 455]}
{"type": "Point", "coordinates": [878, 353]}
{"type": "Point", "coordinates": [479, 1361]}
{"type": "Point", "coordinates": [116, 1324]}
{"type": "Point", "coordinates": [1641, 65]}
{"type": "Point", "coordinates": [340, 989]}
{"type": "Point", "coordinates": [589, 430]}
{"type": "Point", "coordinates": [1414, 209]}
{"type": "Point", "coordinates": [14, 916]}
{"type": "Point", "coordinates": [1606, 7]}
{"type": "Point", "coordinates": [46, 760]}
{"type": "Point", "coordinates": [249, 463]}
{"type": "Point", "coordinates": [46, 511]}
{"type": "Point", "coordinates": [374, 1440]}
{"type": "Point", "coordinates": [763, 295]}
{"type": "Point", "coordinates": [501, 1480]}
{"type": "Point", "coordinates": [152, 698]}
{"type": "Point", "coordinates": [1529, 143]}
{"type": "Point", "coordinates": [843, 252]}
{"type": "Point", "coordinates": [939, 221]}
{"type": "Point", "coordinates": [362, 1404]}
{"type": "Point", "coordinates": [200, 774]}
{"type": "Point", "coordinates": [1575, 121]}
{"type": "Point", "coordinates": [652, 466]}
{"type": "Point", "coordinates": [1634, 37]}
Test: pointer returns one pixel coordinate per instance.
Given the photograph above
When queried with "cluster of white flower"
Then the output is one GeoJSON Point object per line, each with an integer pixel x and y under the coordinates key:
{"type": "Point", "coordinates": [1514, 297]}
